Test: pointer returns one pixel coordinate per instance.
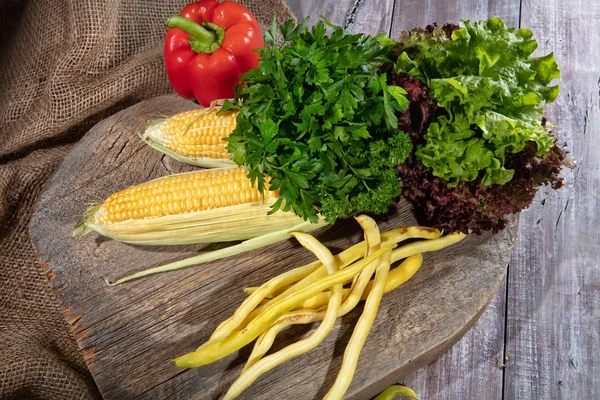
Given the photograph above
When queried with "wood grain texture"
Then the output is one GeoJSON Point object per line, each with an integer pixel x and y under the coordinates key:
{"type": "Point", "coordinates": [473, 367]}
{"type": "Point", "coordinates": [129, 334]}
{"type": "Point", "coordinates": [554, 281]}
{"type": "Point", "coordinates": [409, 14]}
{"type": "Point", "coordinates": [371, 17]}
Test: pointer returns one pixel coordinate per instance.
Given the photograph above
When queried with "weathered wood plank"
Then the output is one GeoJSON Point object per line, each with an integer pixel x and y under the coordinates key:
{"type": "Point", "coordinates": [371, 17]}
{"type": "Point", "coordinates": [410, 14]}
{"type": "Point", "coordinates": [554, 286]}
{"type": "Point", "coordinates": [129, 333]}
{"type": "Point", "coordinates": [472, 368]}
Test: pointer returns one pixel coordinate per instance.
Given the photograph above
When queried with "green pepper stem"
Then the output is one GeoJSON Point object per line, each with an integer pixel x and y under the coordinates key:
{"type": "Point", "coordinates": [195, 30]}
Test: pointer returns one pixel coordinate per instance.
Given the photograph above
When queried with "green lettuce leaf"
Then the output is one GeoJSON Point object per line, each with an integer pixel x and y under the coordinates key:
{"type": "Point", "coordinates": [492, 89]}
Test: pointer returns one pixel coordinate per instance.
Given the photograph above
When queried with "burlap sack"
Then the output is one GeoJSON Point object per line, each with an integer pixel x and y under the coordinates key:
{"type": "Point", "coordinates": [64, 66]}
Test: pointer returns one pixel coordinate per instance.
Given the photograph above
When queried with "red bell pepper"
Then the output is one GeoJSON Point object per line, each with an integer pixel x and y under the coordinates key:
{"type": "Point", "coordinates": [208, 46]}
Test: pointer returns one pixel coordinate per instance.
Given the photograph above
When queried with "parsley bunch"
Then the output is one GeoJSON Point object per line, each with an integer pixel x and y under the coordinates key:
{"type": "Point", "coordinates": [318, 120]}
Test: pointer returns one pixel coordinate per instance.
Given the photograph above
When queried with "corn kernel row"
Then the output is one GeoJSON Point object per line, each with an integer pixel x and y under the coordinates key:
{"type": "Point", "coordinates": [196, 133]}
{"type": "Point", "coordinates": [182, 193]}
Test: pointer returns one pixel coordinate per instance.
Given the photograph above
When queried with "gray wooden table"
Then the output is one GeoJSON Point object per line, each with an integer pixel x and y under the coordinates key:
{"type": "Point", "coordinates": [540, 337]}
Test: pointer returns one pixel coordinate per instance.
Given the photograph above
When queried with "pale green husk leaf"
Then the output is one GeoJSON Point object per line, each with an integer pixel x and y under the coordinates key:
{"type": "Point", "coordinates": [251, 244]}
{"type": "Point", "coordinates": [239, 222]}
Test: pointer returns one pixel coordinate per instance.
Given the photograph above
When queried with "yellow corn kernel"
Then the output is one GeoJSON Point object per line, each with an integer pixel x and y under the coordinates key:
{"type": "Point", "coordinates": [194, 134]}
{"type": "Point", "coordinates": [179, 194]}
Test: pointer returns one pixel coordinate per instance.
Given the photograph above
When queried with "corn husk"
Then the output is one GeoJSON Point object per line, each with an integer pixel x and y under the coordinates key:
{"type": "Point", "coordinates": [239, 222]}
{"type": "Point", "coordinates": [153, 137]}
{"type": "Point", "coordinates": [247, 245]}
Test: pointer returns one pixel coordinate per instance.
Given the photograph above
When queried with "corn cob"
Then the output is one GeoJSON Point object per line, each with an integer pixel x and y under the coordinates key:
{"type": "Point", "coordinates": [195, 207]}
{"type": "Point", "coordinates": [194, 137]}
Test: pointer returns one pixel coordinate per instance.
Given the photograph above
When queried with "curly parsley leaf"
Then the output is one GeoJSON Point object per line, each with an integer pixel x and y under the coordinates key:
{"type": "Point", "coordinates": [318, 121]}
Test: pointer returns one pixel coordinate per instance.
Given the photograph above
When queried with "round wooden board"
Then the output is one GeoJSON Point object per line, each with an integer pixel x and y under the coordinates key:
{"type": "Point", "coordinates": [128, 334]}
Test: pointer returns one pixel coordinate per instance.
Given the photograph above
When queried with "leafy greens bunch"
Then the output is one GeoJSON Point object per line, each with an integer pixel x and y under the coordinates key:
{"type": "Point", "coordinates": [319, 120]}
{"type": "Point", "coordinates": [479, 80]}
{"type": "Point", "coordinates": [491, 88]}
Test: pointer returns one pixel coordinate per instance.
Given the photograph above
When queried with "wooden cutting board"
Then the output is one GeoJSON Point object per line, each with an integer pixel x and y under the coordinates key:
{"type": "Point", "coordinates": [128, 334]}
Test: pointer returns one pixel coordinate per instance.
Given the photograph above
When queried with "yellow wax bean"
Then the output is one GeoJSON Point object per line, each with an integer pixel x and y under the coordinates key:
{"type": "Point", "coordinates": [396, 390]}
{"type": "Point", "coordinates": [396, 277]}
{"type": "Point", "coordinates": [361, 331]}
{"type": "Point", "coordinates": [218, 350]}
{"type": "Point", "coordinates": [250, 374]}
{"type": "Point", "coordinates": [354, 253]}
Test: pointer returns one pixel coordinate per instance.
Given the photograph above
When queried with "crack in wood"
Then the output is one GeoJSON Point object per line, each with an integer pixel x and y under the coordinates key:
{"type": "Point", "coordinates": [74, 320]}
{"type": "Point", "coordinates": [165, 306]}
{"type": "Point", "coordinates": [89, 355]}
{"type": "Point", "coordinates": [585, 120]}
{"type": "Point", "coordinates": [576, 175]}
{"type": "Point", "coordinates": [81, 334]}
{"type": "Point", "coordinates": [520, 25]}
{"type": "Point", "coordinates": [160, 383]}
{"type": "Point", "coordinates": [392, 19]}
{"type": "Point", "coordinates": [108, 134]}
{"type": "Point", "coordinates": [86, 184]}
{"type": "Point", "coordinates": [571, 99]}
{"type": "Point", "coordinates": [46, 267]}
{"type": "Point", "coordinates": [165, 165]}
{"type": "Point", "coordinates": [145, 295]}
{"type": "Point", "coordinates": [351, 15]}
{"type": "Point", "coordinates": [572, 363]}
{"type": "Point", "coordinates": [586, 117]}
{"type": "Point", "coordinates": [122, 149]}
{"type": "Point", "coordinates": [560, 215]}
{"type": "Point", "coordinates": [62, 287]}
